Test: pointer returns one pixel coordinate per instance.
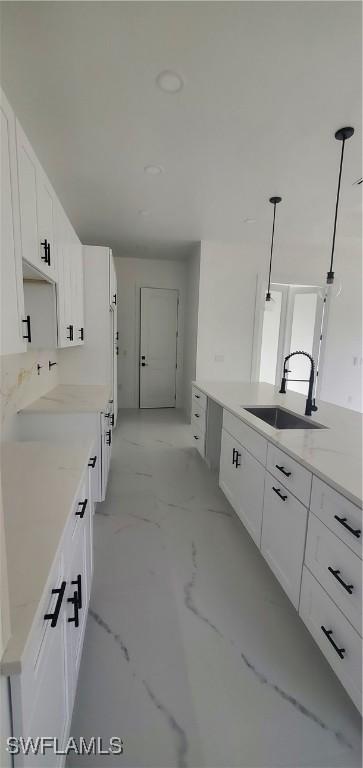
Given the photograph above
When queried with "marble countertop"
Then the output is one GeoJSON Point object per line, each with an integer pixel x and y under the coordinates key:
{"type": "Point", "coordinates": [333, 454]}
{"type": "Point", "coordinates": [40, 482]}
{"type": "Point", "coordinates": [71, 398]}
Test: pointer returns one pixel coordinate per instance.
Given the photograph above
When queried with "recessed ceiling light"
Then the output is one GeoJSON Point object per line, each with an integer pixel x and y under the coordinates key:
{"type": "Point", "coordinates": [249, 221]}
{"type": "Point", "coordinates": [144, 212]}
{"type": "Point", "coordinates": [169, 81]}
{"type": "Point", "coordinates": [153, 170]}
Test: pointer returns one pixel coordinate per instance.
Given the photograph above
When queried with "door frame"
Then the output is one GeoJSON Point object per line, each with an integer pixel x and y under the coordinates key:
{"type": "Point", "coordinates": [320, 334]}
{"type": "Point", "coordinates": [139, 287]}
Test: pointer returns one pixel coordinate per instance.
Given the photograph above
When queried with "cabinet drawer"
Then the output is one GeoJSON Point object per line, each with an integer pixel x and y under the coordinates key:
{"type": "Point", "coordinates": [317, 610]}
{"type": "Point", "coordinates": [249, 438]}
{"type": "Point", "coordinates": [198, 439]}
{"type": "Point", "coordinates": [332, 562]}
{"type": "Point", "coordinates": [294, 477]}
{"type": "Point", "coordinates": [199, 398]}
{"type": "Point", "coordinates": [339, 514]}
{"type": "Point", "coordinates": [283, 536]}
{"type": "Point", "coordinates": [199, 417]}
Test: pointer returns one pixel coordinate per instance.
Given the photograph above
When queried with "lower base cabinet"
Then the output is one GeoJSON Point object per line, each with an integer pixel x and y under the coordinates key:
{"type": "Point", "coordinates": [42, 695]}
{"type": "Point", "coordinates": [283, 536]}
{"type": "Point", "coordinates": [335, 636]}
{"type": "Point", "coordinates": [241, 479]}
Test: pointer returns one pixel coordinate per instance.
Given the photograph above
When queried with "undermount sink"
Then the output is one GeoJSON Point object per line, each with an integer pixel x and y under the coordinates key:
{"type": "Point", "coordinates": [279, 418]}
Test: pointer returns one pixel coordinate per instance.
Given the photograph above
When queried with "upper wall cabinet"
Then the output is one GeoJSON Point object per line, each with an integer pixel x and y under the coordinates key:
{"type": "Point", "coordinates": [36, 209]}
{"type": "Point", "coordinates": [12, 296]}
{"type": "Point", "coordinates": [70, 284]}
{"type": "Point", "coordinates": [112, 281]}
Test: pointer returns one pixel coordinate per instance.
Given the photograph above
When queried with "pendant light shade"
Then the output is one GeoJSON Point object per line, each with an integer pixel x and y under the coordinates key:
{"type": "Point", "coordinates": [274, 201]}
{"type": "Point", "coordinates": [342, 135]}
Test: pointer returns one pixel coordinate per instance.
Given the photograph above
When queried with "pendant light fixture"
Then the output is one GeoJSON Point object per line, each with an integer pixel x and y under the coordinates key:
{"type": "Point", "coordinates": [274, 201]}
{"type": "Point", "coordinates": [342, 135]}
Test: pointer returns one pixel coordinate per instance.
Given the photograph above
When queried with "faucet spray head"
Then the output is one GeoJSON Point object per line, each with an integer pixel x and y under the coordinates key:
{"type": "Point", "coordinates": [282, 389]}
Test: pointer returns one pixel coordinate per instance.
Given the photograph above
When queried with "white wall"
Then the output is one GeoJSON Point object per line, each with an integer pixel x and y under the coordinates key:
{"type": "Point", "coordinates": [133, 274]}
{"type": "Point", "coordinates": [191, 325]}
{"type": "Point", "coordinates": [226, 312]}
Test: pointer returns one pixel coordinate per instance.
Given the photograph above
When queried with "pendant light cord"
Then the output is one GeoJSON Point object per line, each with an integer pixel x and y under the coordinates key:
{"type": "Point", "coordinates": [272, 247]}
{"type": "Point", "coordinates": [336, 207]}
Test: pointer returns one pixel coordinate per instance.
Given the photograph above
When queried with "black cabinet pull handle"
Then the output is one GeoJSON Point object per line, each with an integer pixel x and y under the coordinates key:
{"type": "Point", "coordinates": [348, 587]}
{"type": "Point", "coordinates": [70, 329]}
{"type": "Point", "coordinates": [28, 335]}
{"type": "Point", "coordinates": [53, 617]}
{"type": "Point", "coordinates": [197, 396]}
{"type": "Point", "coordinates": [343, 522]}
{"type": "Point", "coordinates": [281, 495]}
{"type": "Point", "coordinates": [92, 462]}
{"type": "Point", "coordinates": [283, 470]}
{"type": "Point", "coordinates": [46, 247]}
{"type": "Point", "coordinates": [328, 633]}
{"type": "Point", "coordinates": [81, 334]}
{"type": "Point", "coordinates": [196, 437]}
{"type": "Point", "coordinates": [117, 335]}
{"type": "Point", "coordinates": [78, 583]}
{"type": "Point", "coordinates": [236, 458]}
{"type": "Point", "coordinates": [82, 508]}
{"type": "Point", "coordinates": [114, 299]}
{"type": "Point", "coordinates": [117, 350]}
{"type": "Point", "coordinates": [113, 420]}
{"type": "Point", "coordinates": [74, 601]}
{"type": "Point", "coordinates": [108, 437]}
{"type": "Point", "coordinates": [197, 416]}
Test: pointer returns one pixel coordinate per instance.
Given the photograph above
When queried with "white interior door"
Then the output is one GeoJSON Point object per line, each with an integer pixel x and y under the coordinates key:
{"type": "Point", "coordinates": [158, 347]}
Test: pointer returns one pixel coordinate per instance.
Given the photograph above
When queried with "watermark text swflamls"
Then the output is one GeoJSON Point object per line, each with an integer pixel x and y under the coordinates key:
{"type": "Point", "coordinates": [41, 745]}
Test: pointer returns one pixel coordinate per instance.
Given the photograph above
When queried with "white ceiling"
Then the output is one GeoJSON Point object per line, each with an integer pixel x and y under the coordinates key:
{"type": "Point", "coordinates": [266, 86]}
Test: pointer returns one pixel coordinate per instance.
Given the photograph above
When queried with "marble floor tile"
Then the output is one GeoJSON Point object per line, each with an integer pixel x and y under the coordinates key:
{"type": "Point", "coordinates": [193, 654]}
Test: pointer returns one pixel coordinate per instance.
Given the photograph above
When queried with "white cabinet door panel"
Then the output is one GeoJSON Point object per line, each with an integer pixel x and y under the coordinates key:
{"type": "Point", "coordinates": [46, 223]}
{"type": "Point", "coordinates": [241, 479]}
{"type": "Point", "coordinates": [27, 170]}
{"type": "Point", "coordinates": [283, 536]}
{"type": "Point", "coordinates": [12, 295]}
{"type": "Point", "coordinates": [338, 513]}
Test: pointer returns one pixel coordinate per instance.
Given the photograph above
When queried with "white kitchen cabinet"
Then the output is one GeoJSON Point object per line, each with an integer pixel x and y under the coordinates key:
{"type": "Point", "coordinates": [37, 201]}
{"type": "Point", "coordinates": [70, 287]}
{"type": "Point", "coordinates": [46, 201]}
{"type": "Point", "coordinates": [95, 362]}
{"type": "Point", "coordinates": [13, 328]}
{"type": "Point", "coordinates": [283, 536]}
{"type": "Point", "coordinates": [335, 636]}
{"type": "Point", "coordinates": [112, 281]}
{"type": "Point", "coordinates": [242, 481]}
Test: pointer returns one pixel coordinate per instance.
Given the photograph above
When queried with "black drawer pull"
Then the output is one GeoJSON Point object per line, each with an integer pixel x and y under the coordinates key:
{"type": "Point", "coordinates": [113, 420]}
{"type": "Point", "coordinates": [78, 583]}
{"type": "Point", "coordinates": [53, 617]}
{"type": "Point", "coordinates": [278, 492]}
{"type": "Point", "coordinates": [283, 470]}
{"type": "Point", "coordinates": [70, 329]}
{"type": "Point", "coordinates": [92, 462]}
{"type": "Point", "coordinates": [197, 416]}
{"type": "Point", "coordinates": [82, 508]}
{"type": "Point", "coordinates": [343, 522]}
{"type": "Point", "coordinates": [196, 437]}
{"type": "Point", "coordinates": [197, 396]}
{"type": "Point", "coordinates": [28, 335]}
{"type": "Point", "coordinates": [81, 334]}
{"type": "Point", "coordinates": [74, 601]}
{"type": "Point", "coordinates": [348, 587]}
{"type": "Point", "coordinates": [328, 633]}
{"type": "Point", "coordinates": [108, 437]}
{"type": "Point", "coordinates": [117, 350]}
{"type": "Point", "coordinates": [114, 299]}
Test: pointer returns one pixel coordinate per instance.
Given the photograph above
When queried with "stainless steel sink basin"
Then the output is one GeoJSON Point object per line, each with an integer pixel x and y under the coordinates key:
{"type": "Point", "coordinates": [279, 418]}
